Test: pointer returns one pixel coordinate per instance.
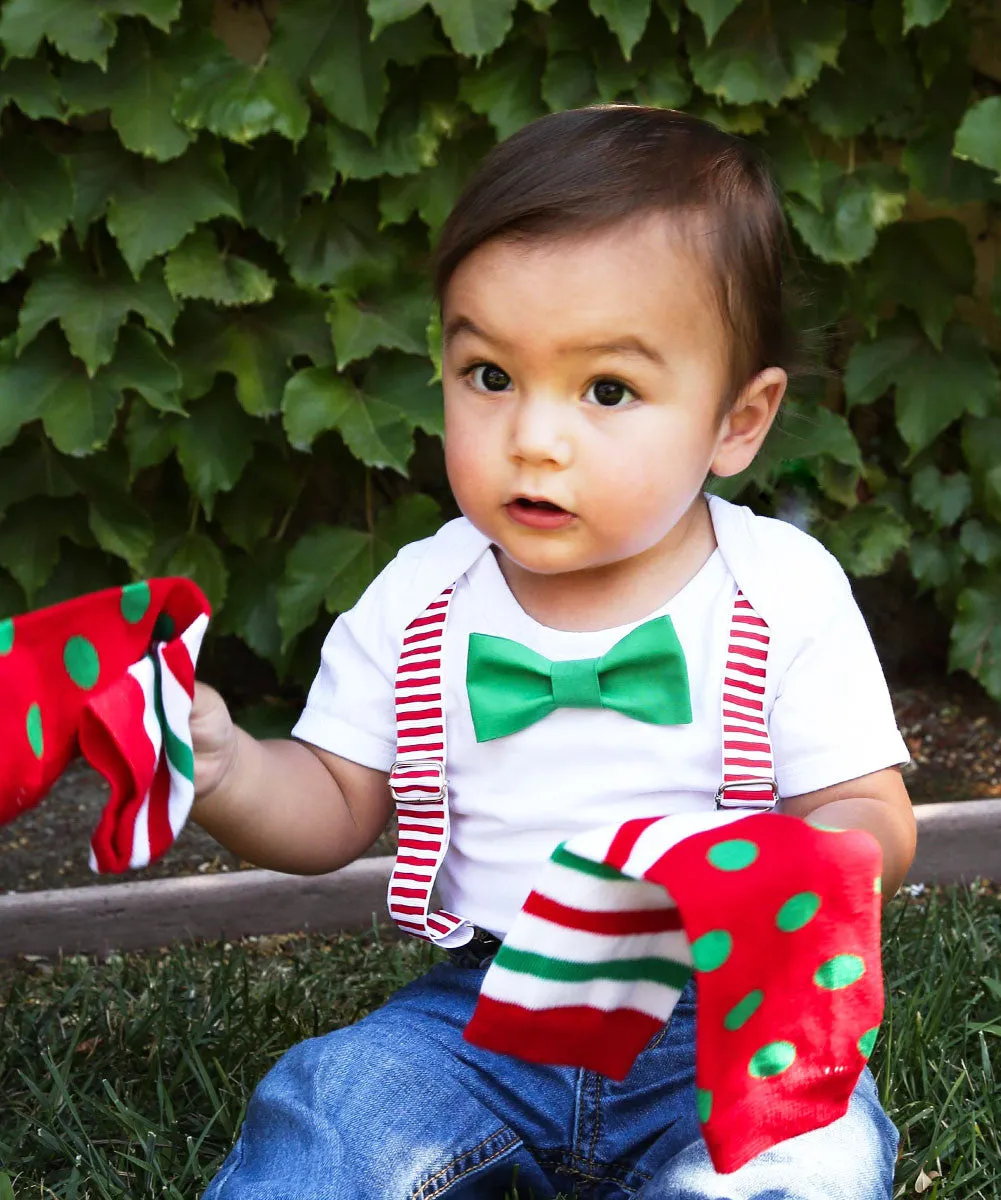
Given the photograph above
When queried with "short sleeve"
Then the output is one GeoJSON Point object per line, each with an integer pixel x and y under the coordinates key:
{"type": "Point", "coordinates": [350, 710]}
{"type": "Point", "coordinates": [832, 719]}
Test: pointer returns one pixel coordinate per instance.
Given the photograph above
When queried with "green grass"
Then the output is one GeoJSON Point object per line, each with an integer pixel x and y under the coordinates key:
{"type": "Point", "coordinates": [129, 1077]}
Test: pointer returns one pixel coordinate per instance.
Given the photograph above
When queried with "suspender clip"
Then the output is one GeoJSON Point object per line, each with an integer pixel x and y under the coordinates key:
{"type": "Point", "coordinates": [768, 798]}
{"type": "Point", "coordinates": [417, 781]}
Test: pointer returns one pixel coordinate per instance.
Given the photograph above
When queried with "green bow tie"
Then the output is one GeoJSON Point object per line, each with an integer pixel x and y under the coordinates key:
{"type": "Point", "coordinates": [643, 676]}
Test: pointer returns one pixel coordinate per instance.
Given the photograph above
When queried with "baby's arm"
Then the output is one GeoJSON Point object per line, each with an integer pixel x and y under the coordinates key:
{"type": "Point", "coordinates": [877, 803]}
{"type": "Point", "coordinates": [281, 804]}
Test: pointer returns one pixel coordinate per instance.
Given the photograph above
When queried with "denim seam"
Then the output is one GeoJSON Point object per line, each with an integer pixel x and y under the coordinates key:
{"type": "Point", "coordinates": [597, 1121]}
{"type": "Point", "coordinates": [623, 1178]}
{"type": "Point", "coordinates": [419, 1193]}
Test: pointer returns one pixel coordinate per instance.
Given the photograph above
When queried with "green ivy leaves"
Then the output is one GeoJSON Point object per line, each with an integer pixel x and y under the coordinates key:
{"type": "Point", "coordinates": [36, 200]}
{"type": "Point", "coordinates": [932, 388]}
{"type": "Point", "coordinates": [768, 50]}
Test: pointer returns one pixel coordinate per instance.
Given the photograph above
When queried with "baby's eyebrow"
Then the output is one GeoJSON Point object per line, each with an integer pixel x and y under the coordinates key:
{"type": "Point", "coordinates": [461, 324]}
{"type": "Point", "coordinates": [628, 344]}
{"type": "Point", "coordinates": [625, 345]}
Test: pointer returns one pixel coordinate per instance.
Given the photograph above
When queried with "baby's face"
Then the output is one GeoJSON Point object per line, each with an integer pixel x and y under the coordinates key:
{"type": "Point", "coordinates": [582, 382]}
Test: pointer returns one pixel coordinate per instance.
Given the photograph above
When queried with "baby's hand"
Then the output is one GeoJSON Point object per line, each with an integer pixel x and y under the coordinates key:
{"type": "Point", "coordinates": [213, 740]}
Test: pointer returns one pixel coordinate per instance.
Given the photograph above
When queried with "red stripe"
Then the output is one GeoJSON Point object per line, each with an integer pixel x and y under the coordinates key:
{"type": "Point", "coordinates": [430, 698]}
{"type": "Point", "coordinates": [756, 688]}
{"type": "Point", "coordinates": [426, 847]}
{"type": "Point", "coordinates": [176, 658]}
{"type": "Point", "coordinates": [425, 664]}
{"type": "Point", "coordinates": [625, 839]}
{"type": "Point", "coordinates": [749, 635]}
{"type": "Point", "coordinates": [762, 746]}
{"type": "Point", "coordinates": [437, 618]}
{"type": "Point", "coordinates": [750, 651]}
{"type": "Point", "coordinates": [429, 731]}
{"type": "Point", "coordinates": [747, 669]}
{"type": "Point", "coordinates": [409, 893]}
{"type": "Point", "coordinates": [439, 927]}
{"type": "Point", "coordinates": [412, 876]}
{"type": "Point", "coordinates": [408, 910]}
{"type": "Point", "coordinates": [411, 860]}
{"type": "Point", "coordinates": [750, 621]}
{"type": "Point", "coordinates": [424, 636]}
{"type": "Point", "coordinates": [160, 834]}
{"type": "Point", "coordinates": [428, 746]}
{"type": "Point", "coordinates": [421, 714]}
{"type": "Point", "coordinates": [765, 764]}
{"type": "Point", "coordinates": [616, 924]}
{"type": "Point", "coordinates": [581, 1036]}
{"type": "Point", "coordinates": [743, 701]}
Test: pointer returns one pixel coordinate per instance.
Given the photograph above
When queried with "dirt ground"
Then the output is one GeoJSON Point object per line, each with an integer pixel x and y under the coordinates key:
{"type": "Point", "coordinates": [953, 732]}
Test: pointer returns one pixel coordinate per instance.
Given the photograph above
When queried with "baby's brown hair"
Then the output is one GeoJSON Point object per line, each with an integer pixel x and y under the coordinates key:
{"type": "Point", "coordinates": [587, 169]}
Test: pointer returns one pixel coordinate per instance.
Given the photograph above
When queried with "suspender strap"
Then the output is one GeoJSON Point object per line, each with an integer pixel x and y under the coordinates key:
{"type": "Point", "coordinates": [418, 781]}
{"type": "Point", "coordinates": [748, 767]}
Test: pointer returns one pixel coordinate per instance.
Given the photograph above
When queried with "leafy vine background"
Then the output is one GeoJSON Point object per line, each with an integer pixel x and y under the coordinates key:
{"type": "Point", "coordinates": [217, 350]}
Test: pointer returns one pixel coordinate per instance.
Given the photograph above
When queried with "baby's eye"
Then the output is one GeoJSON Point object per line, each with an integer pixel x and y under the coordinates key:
{"type": "Point", "coordinates": [609, 393]}
{"type": "Point", "coordinates": [488, 377]}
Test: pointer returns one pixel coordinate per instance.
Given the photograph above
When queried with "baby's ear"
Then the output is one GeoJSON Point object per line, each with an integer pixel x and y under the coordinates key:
{"type": "Point", "coordinates": [746, 425]}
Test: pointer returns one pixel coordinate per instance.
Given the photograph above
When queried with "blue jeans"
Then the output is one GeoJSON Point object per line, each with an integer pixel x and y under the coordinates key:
{"type": "Point", "coordinates": [399, 1107]}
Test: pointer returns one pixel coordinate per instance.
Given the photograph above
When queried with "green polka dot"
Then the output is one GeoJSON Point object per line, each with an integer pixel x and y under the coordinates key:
{"type": "Point", "coordinates": [704, 1103]}
{"type": "Point", "coordinates": [135, 602]}
{"type": "Point", "coordinates": [867, 1041]}
{"type": "Point", "coordinates": [877, 885]}
{"type": "Point", "coordinates": [711, 950]}
{"type": "Point", "coordinates": [82, 663]}
{"type": "Point", "coordinates": [742, 1012]}
{"type": "Point", "coordinates": [164, 629]}
{"type": "Point", "coordinates": [772, 1060]}
{"type": "Point", "coordinates": [34, 727]}
{"type": "Point", "coordinates": [839, 971]}
{"type": "Point", "coordinates": [798, 910]}
{"type": "Point", "coordinates": [733, 855]}
{"type": "Point", "coordinates": [6, 636]}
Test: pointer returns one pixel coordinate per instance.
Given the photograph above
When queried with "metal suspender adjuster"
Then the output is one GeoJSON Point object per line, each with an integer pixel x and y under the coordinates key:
{"type": "Point", "coordinates": [417, 781]}
{"type": "Point", "coordinates": [768, 787]}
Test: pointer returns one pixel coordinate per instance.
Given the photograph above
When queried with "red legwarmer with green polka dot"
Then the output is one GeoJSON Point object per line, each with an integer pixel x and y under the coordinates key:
{"type": "Point", "coordinates": [780, 922]}
{"type": "Point", "coordinates": [110, 676]}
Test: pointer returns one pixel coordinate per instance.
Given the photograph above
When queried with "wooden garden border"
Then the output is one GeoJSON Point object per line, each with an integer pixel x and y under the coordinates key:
{"type": "Point", "coordinates": [956, 842]}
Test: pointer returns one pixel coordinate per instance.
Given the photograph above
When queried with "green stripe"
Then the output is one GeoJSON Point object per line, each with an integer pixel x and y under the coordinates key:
{"type": "Point", "coordinates": [179, 754]}
{"type": "Point", "coordinates": [587, 866]}
{"type": "Point", "coordinates": [653, 970]}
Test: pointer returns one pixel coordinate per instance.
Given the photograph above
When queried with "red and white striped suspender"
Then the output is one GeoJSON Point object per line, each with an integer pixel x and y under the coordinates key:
{"type": "Point", "coordinates": [748, 768]}
{"type": "Point", "coordinates": [419, 784]}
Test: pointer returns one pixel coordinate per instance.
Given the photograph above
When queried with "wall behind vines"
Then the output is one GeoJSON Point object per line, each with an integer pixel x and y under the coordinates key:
{"type": "Point", "coordinates": [214, 308]}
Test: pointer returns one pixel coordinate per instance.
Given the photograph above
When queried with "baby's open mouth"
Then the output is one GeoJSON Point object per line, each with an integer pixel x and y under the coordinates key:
{"type": "Point", "coordinates": [537, 505]}
{"type": "Point", "coordinates": [539, 514]}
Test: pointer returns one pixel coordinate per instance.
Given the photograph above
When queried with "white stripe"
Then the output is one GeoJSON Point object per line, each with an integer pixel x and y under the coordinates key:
{"type": "Point", "coordinates": [177, 712]}
{"type": "Point", "coordinates": [528, 991]}
{"type": "Point", "coordinates": [142, 672]}
{"type": "Point", "coordinates": [579, 890]}
{"type": "Point", "coordinates": [577, 945]}
{"type": "Point", "coordinates": [140, 838]}
{"type": "Point", "coordinates": [192, 636]}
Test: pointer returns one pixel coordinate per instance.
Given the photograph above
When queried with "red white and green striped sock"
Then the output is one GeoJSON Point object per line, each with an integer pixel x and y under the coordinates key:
{"type": "Point", "coordinates": [780, 922]}
{"type": "Point", "coordinates": [111, 676]}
